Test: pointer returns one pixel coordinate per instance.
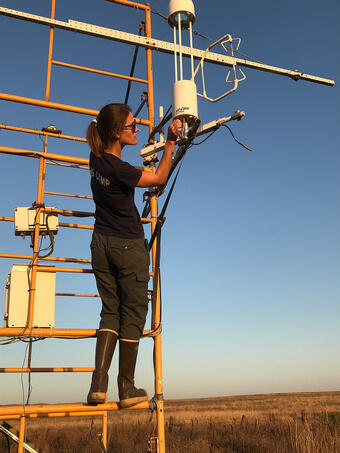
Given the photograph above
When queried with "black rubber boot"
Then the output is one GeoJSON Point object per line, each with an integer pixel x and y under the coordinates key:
{"type": "Point", "coordinates": [106, 343]}
{"type": "Point", "coordinates": [129, 395]}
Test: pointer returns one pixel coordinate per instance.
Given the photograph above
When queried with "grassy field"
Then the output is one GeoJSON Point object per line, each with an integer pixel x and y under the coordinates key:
{"type": "Point", "coordinates": [273, 423]}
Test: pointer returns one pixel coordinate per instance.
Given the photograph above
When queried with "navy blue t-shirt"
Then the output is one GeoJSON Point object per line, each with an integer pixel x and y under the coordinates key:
{"type": "Point", "coordinates": [113, 183]}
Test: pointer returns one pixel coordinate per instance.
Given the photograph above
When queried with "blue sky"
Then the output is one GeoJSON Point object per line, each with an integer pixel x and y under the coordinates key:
{"type": "Point", "coordinates": [250, 257]}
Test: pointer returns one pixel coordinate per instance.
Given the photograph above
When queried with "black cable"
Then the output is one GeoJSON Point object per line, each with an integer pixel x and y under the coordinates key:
{"type": "Point", "coordinates": [29, 386]}
{"type": "Point", "coordinates": [160, 218]}
{"type": "Point", "coordinates": [141, 27]}
{"type": "Point", "coordinates": [51, 236]}
{"type": "Point", "coordinates": [11, 341]}
{"type": "Point", "coordinates": [249, 58]}
{"type": "Point", "coordinates": [154, 11]}
{"type": "Point", "coordinates": [157, 276]}
{"type": "Point", "coordinates": [195, 32]}
{"type": "Point", "coordinates": [244, 146]}
{"type": "Point", "coordinates": [32, 339]}
{"type": "Point", "coordinates": [206, 138]}
{"type": "Point", "coordinates": [144, 100]}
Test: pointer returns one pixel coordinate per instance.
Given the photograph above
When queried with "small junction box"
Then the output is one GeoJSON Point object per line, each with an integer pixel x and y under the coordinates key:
{"type": "Point", "coordinates": [25, 218]}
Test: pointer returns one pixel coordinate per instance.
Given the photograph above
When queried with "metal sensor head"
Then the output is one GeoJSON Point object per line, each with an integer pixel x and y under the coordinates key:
{"type": "Point", "coordinates": [185, 9]}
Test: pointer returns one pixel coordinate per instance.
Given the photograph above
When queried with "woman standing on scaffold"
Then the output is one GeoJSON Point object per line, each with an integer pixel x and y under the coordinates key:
{"type": "Point", "coordinates": [120, 259]}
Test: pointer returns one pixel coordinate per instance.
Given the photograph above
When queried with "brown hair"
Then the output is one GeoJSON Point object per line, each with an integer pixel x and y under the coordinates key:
{"type": "Point", "coordinates": [101, 132]}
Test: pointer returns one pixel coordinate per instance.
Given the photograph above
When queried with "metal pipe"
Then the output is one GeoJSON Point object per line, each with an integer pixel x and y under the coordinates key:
{"type": "Point", "coordinates": [98, 71]}
{"type": "Point", "coordinates": [104, 429]}
{"type": "Point", "coordinates": [71, 225]}
{"type": "Point", "coordinates": [48, 104]}
{"type": "Point", "coordinates": [57, 106]}
{"type": "Point", "coordinates": [151, 108]}
{"type": "Point", "coordinates": [180, 46]}
{"type": "Point", "coordinates": [57, 157]}
{"type": "Point", "coordinates": [76, 225]}
{"type": "Point", "coordinates": [129, 3]}
{"type": "Point", "coordinates": [38, 154]}
{"type": "Point", "coordinates": [175, 55]}
{"type": "Point", "coordinates": [68, 195]}
{"type": "Point", "coordinates": [60, 414]}
{"type": "Point", "coordinates": [48, 258]}
{"type": "Point", "coordinates": [49, 58]}
{"type": "Point", "coordinates": [36, 239]}
{"type": "Point", "coordinates": [35, 131]}
{"type": "Point", "coordinates": [68, 212]}
{"type": "Point", "coordinates": [7, 219]}
{"type": "Point", "coordinates": [29, 360]}
{"type": "Point", "coordinates": [191, 55]}
{"type": "Point", "coordinates": [72, 270]}
{"type": "Point", "coordinates": [47, 370]}
{"type": "Point", "coordinates": [158, 339]}
{"type": "Point", "coordinates": [22, 433]}
{"type": "Point", "coordinates": [77, 295]}
{"type": "Point", "coordinates": [68, 165]}
{"type": "Point", "coordinates": [48, 409]}
{"type": "Point", "coordinates": [46, 332]}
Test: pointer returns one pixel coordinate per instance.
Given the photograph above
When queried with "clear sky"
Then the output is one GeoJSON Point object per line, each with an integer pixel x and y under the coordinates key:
{"type": "Point", "coordinates": [250, 257]}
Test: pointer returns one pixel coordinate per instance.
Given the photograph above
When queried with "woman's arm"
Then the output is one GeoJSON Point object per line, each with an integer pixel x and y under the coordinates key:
{"type": "Point", "coordinates": [160, 176]}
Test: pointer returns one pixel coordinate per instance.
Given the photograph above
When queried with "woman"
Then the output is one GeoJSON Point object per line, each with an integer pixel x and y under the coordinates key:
{"type": "Point", "coordinates": [120, 259]}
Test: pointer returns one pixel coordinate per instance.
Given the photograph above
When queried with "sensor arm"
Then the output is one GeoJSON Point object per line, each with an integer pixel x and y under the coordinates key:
{"type": "Point", "coordinates": [205, 129]}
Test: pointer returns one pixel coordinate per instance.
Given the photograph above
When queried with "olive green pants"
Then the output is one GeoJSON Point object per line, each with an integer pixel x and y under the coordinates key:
{"type": "Point", "coordinates": [121, 268]}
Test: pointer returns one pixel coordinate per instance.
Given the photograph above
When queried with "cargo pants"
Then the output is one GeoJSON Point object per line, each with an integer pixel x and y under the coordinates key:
{"type": "Point", "coordinates": [121, 269]}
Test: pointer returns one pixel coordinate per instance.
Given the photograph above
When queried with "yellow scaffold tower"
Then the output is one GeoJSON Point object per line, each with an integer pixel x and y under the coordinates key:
{"type": "Point", "coordinates": [39, 219]}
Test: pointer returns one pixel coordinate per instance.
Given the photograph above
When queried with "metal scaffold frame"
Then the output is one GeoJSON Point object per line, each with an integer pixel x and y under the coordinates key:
{"type": "Point", "coordinates": [23, 412]}
{"type": "Point", "coordinates": [45, 158]}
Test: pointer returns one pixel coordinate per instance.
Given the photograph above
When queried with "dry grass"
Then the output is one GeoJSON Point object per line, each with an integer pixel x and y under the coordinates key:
{"type": "Point", "coordinates": [276, 423]}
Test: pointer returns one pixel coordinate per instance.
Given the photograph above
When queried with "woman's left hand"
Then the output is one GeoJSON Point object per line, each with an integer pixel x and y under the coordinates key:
{"type": "Point", "coordinates": [174, 130]}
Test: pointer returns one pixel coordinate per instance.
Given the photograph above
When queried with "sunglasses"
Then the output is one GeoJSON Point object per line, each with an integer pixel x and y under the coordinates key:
{"type": "Point", "coordinates": [133, 126]}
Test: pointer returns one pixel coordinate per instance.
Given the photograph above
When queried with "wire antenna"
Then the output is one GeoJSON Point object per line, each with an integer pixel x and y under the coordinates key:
{"type": "Point", "coordinates": [226, 42]}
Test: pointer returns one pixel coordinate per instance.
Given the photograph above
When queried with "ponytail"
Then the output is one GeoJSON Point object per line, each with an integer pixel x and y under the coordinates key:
{"type": "Point", "coordinates": [101, 132]}
{"type": "Point", "coordinates": [94, 140]}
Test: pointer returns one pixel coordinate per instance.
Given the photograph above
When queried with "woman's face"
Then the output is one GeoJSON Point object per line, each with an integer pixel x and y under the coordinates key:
{"type": "Point", "coordinates": [128, 135]}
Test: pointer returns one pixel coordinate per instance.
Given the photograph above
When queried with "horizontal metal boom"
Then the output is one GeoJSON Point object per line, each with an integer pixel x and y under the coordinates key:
{"type": "Point", "coordinates": [153, 148]}
{"type": "Point", "coordinates": [160, 46]}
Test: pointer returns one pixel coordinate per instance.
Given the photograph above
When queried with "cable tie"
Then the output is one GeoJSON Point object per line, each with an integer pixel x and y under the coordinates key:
{"type": "Point", "coordinates": [38, 205]}
{"type": "Point", "coordinates": [153, 404]}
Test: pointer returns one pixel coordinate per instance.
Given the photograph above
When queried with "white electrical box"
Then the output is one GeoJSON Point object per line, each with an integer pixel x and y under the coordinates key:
{"type": "Point", "coordinates": [17, 294]}
{"type": "Point", "coordinates": [24, 221]}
